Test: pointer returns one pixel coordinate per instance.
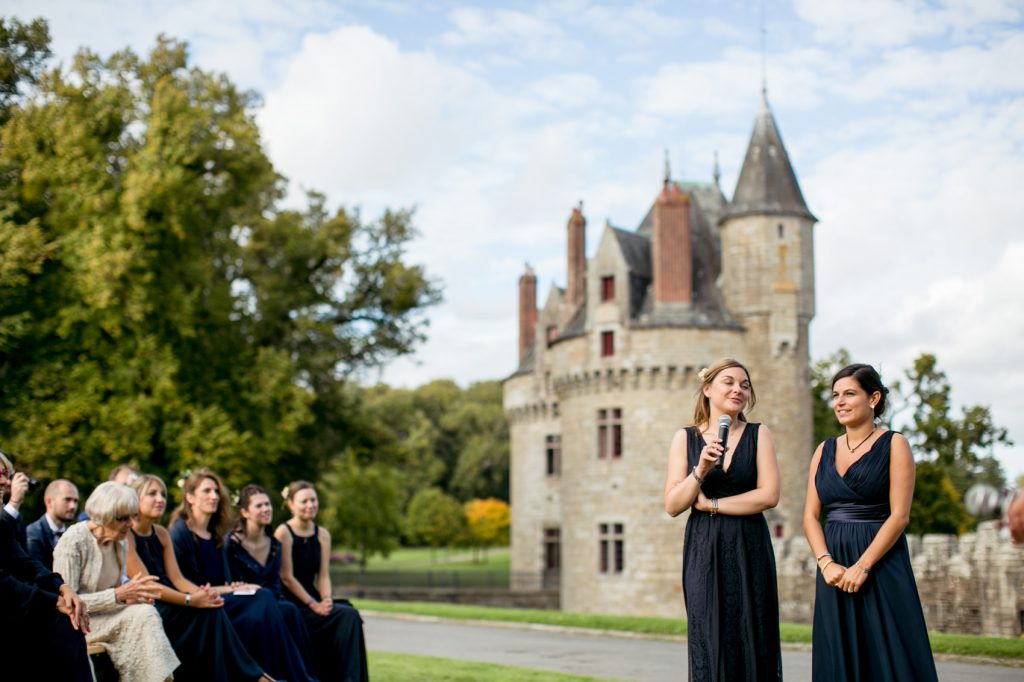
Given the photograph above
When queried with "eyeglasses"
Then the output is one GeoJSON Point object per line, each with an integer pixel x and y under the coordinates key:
{"type": "Point", "coordinates": [124, 518]}
{"type": "Point", "coordinates": [6, 473]}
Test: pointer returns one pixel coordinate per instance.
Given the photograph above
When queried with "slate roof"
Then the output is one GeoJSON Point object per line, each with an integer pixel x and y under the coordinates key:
{"type": "Point", "coordinates": [767, 183]}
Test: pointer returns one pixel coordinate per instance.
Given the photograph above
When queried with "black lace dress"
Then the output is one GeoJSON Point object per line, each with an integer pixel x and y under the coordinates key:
{"type": "Point", "coordinates": [337, 638]}
{"type": "Point", "coordinates": [204, 639]}
{"type": "Point", "coordinates": [877, 633]}
{"type": "Point", "coordinates": [732, 601]}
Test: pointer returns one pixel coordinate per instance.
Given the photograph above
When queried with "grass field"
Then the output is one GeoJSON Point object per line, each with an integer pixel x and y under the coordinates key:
{"type": "Point", "coordinates": [496, 559]}
{"type": "Point", "coordinates": [389, 667]}
{"type": "Point", "coordinates": [942, 643]}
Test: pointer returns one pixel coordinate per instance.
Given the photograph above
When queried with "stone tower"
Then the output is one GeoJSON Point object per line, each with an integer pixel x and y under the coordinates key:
{"type": "Point", "coordinates": [768, 285]}
{"type": "Point", "coordinates": [609, 375]}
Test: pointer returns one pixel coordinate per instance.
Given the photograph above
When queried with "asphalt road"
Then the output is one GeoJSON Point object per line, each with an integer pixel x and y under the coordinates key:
{"type": "Point", "coordinates": [614, 657]}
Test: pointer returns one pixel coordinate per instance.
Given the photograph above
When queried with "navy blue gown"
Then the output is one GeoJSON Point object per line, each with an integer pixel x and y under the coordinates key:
{"type": "Point", "coordinates": [877, 633]}
{"type": "Point", "coordinates": [256, 618]}
{"type": "Point", "coordinates": [244, 567]}
{"type": "Point", "coordinates": [338, 638]}
{"type": "Point", "coordinates": [204, 639]}
{"type": "Point", "coordinates": [732, 600]}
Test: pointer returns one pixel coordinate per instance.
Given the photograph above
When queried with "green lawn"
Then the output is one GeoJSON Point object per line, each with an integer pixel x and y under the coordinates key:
{"type": "Point", "coordinates": [496, 560]}
{"type": "Point", "coordinates": [388, 667]}
{"type": "Point", "coordinates": [942, 643]}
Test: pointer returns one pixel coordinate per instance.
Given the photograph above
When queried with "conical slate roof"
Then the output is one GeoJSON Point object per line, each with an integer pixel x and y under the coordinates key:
{"type": "Point", "coordinates": [767, 183]}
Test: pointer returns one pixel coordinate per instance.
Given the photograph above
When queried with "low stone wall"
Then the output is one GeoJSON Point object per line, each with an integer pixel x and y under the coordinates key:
{"type": "Point", "coordinates": [973, 584]}
{"type": "Point", "coordinates": [533, 599]}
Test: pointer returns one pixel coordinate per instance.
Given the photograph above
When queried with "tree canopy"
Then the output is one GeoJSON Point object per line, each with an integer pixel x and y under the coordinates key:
{"type": "Point", "coordinates": [157, 305]}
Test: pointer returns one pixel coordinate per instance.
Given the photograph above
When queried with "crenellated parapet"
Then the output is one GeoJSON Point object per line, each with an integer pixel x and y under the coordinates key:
{"type": "Point", "coordinates": [611, 379]}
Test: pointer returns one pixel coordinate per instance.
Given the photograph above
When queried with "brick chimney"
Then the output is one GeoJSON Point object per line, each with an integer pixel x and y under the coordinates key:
{"type": "Point", "coordinates": [576, 280]}
{"type": "Point", "coordinates": [527, 310]}
{"type": "Point", "coordinates": [671, 250]}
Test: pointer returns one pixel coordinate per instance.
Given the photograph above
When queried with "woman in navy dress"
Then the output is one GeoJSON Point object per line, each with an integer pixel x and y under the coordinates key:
{"type": "Point", "coordinates": [334, 624]}
{"type": "Point", "coordinates": [729, 587]}
{"type": "Point", "coordinates": [199, 525]}
{"type": "Point", "coordinates": [193, 616]}
{"type": "Point", "coordinates": [253, 555]}
{"type": "Point", "coordinates": [868, 621]}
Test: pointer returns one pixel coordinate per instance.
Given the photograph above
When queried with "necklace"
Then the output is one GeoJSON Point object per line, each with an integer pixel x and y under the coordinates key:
{"type": "Point", "coordinates": [854, 448]}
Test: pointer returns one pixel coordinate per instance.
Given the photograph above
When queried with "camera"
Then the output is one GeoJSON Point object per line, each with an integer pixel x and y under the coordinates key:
{"type": "Point", "coordinates": [33, 484]}
{"type": "Point", "coordinates": [987, 502]}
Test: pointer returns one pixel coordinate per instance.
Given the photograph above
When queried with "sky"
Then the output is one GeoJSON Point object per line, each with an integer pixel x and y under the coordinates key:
{"type": "Point", "coordinates": [904, 121]}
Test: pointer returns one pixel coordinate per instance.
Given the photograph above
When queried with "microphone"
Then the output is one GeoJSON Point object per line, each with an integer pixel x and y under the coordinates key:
{"type": "Point", "coordinates": [723, 435]}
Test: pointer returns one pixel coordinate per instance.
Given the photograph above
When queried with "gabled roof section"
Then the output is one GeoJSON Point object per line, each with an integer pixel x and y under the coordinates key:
{"type": "Point", "coordinates": [636, 251]}
{"type": "Point", "coordinates": [767, 183]}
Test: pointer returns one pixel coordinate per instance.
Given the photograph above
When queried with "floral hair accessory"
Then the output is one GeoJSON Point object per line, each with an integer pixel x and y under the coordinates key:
{"type": "Point", "coordinates": [703, 374]}
{"type": "Point", "coordinates": [234, 499]}
{"type": "Point", "coordinates": [184, 477]}
{"type": "Point", "coordinates": [284, 492]}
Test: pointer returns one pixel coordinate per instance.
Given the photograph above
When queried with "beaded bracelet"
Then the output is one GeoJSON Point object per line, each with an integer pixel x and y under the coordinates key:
{"type": "Point", "coordinates": [697, 476]}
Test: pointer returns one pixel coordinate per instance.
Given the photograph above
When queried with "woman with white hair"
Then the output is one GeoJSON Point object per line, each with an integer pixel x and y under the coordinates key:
{"type": "Point", "coordinates": [92, 559]}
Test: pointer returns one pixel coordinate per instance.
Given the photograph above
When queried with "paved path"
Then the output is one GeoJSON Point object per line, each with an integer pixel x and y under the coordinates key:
{"type": "Point", "coordinates": [614, 657]}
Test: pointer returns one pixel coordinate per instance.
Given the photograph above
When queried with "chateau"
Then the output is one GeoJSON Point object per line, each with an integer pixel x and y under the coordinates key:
{"type": "Point", "coordinates": [607, 374]}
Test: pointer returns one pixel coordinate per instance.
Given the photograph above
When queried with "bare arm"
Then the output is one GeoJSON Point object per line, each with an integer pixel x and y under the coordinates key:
{"type": "Point", "coordinates": [765, 495]}
{"type": "Point", "coordinates": [323, 576]}
{"type": "Point", "coordinates": [287, 573]}
{"type": "Point", "coordinates": [901, 494]}
{"type": "Point", "coordinates": [832, 571]}
{"type": "Point", "coordinates": [681, 486]}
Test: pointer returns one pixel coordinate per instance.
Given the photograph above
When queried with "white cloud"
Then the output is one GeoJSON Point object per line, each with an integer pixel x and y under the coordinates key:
{"type": "Point", "coordinates": [527, 35]}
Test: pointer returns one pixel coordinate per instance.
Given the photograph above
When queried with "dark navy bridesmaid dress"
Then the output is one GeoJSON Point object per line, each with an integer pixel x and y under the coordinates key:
{"type": "Point", "coordinates": [244, 567]}
{"type": "Point", "coordinates": [338, 637]}
{"type": "Point", "coordinates": [204, 639]}
{"type": "Point", "coordinates": [732, 600]}
{"type": "Point", "coordinates": [256, 618]}
{"type": "Point", "coordinates": [878, 633]}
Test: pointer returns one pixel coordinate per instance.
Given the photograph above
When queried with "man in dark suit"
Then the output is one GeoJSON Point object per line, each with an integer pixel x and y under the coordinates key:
{"type": "Point", "coordinates": [61, 500]}
{"type": "Point", "coordinates": [42, 621]}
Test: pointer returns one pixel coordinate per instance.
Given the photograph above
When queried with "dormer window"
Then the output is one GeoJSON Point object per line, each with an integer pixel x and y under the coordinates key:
{"type": "Point", "coordinates": [608, 288]}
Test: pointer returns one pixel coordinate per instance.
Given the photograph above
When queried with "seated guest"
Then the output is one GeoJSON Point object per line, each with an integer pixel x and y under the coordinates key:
{"type": "Point", "coordinates": [334, 624]}
{"type": "Point", "coordinates": [194, 618]}
{"type": "Point", "coordinates": [43, 621]}
{"type": "Point", "coordinates": [61, 500]}
{"type": "Point", "coordinates": [92, 558]}
{"type": "Point", "coordinates": [197, 533]}
{"type": "Point", "coordinates": [252, 555]}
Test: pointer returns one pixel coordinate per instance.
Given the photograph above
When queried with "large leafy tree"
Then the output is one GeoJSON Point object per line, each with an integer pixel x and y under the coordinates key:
{"type": "Point", "coordinates": [155, 304]}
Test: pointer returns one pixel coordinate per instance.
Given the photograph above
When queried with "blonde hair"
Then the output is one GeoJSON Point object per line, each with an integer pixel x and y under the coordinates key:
{"type": "Point", "coordinates": [702, 410]}
{"type": "Point", "coordinates": [110, 500]}
{"type": "Point", "coordinates": [141, 484]}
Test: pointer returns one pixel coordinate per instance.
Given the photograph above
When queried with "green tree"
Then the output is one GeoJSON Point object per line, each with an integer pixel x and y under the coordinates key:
{"type": "Point", "coordinates": [937, 507]}
{"type": "Point", "coordinates": [156, 307]}
{"type": "Point", "coordinates": [362, 507]}
{"type": "Point", "coordinates": [435, 519]}
{"type": "Point", "coordinates": [478, 420]}
{"type": "Point", "coordinates": [24, 49]}
{"type": "Point", "coordinates": [962, 446]}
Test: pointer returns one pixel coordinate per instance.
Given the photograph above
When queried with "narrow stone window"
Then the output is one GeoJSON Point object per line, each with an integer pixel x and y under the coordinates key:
{"type": "Point", "coordinates": [607, 344]}
{"type": "Point", "coordinates": [553, 454]}
{"type": "Point", "coordinates": [552, 550]}
{"type": "Point", "coordinates": [782, 231]}
{"type": "Point", "coordinates": [611, 548]}
{"type": "Point", "coordinates": [551, 333]}
{"type": "Point", "coordinates": [609, 433]}
{"type": "Point", "coordinates": [608, 288]}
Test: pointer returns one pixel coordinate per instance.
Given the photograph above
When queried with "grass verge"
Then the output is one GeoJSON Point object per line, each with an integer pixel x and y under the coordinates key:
{"type": "Point", "coordinates": [942, 643]}
{"type": "Point", "coordinates": [389, 667]}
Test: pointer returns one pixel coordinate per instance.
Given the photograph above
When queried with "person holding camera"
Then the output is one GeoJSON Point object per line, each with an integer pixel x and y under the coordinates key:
{"type": "Point", "coordinates": [44, 620]}
{"type": "Point", "coordinates": [18, 485]}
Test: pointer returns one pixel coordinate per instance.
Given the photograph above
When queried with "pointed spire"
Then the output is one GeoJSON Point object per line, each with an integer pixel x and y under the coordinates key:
{"type": "Point", "coordinates": [668, 171]}
{"type": "Point", "coordinates": [716, 172]}
{"type": "Point", "coordinates": [767, 183]}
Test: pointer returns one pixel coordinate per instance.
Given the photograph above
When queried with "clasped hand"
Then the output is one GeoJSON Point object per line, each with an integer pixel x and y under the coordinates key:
{"type": "Point", "coordinates": [72, 606]}
{"type": "Point", "coordinates": [322, 607]}
{"type": "Point", "coordinates": [141, 589]}
{"type": "Point", "coordinates": [205, 597]}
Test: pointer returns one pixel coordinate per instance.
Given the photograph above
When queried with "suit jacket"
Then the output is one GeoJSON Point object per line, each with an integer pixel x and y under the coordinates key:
{"type": "Point", "coordinates": [25, 584]}
{"type": "Point", "coordinates": [41, 541]}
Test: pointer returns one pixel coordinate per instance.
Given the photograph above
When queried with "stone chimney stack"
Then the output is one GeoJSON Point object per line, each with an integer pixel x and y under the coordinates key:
{"type": "Point", "coordinates": [527, 310]}
{"type": "Point", "coordinates": [671, 250]}
{"type": "Point", "coordinates": [576, 281]}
